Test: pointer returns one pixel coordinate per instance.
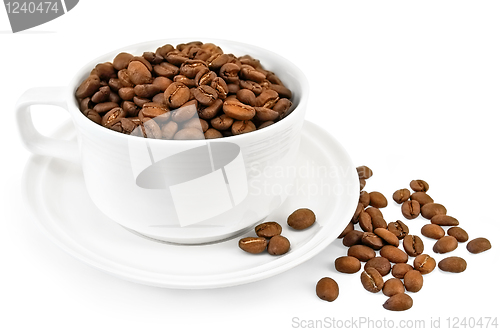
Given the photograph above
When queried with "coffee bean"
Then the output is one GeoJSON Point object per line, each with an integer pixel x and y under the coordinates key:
{"type": "Point", "coordinates": [248, 72]}
{"type": "Point", "coordinates": [361, 252]}
{"type": "Point", "coordinates": [424, 263]}
{"type": "Point", "coordinates": [282, 91]}
{"type": "Point", "coordinates": [189, 134]}
{"type": "Point", "coordinates": [284, 107]}
{"type": "Point", "coordinates": [191, 67]}
{"type": "Point", "coordinates": [459, 234]}
{"type": "Point", "coordinates": [371, 280]}
{"type": "Point", "coordinates": [217, 60]}
{"type": "Point", "coordinates": [364, 172]}
{"type": "Point", "coordinates": [222, 122]}
{"type": "Point", "coordinates": [93, 115]}
{"type": "Point", "coordinates": [168, 131]}
{"type": "Point", "coordinates": [268, 98]}
{"type": "Point", "coordinates": [166, 69]}
{"type": "Point", "coordinates": [176, 95]}
{"type": "Point", "coordinates": [374, 212]}
{"type": "Point", "coordinates": [212, 133]}
{"type": "Point", "coordinates": [253, 245]}
{"type": "Point", "coordinates": [204, 77]}
{"type": "Point", "coordinates": [121, 60]}
{"type": "Point", "coordinates": [398, 228]}
{"type": "Point", "coordinates": [242, 127]}
{"type": "Point", "coordinates": [431, 209]}
{"type": "Point", "coordinates": [327, 289]}
{"type": "Point", "coordinates": [347, 229]}
{"type": "Point", "coordinates": [125, 80]}
{"type": "Point", "coordinates": [268, 229]}
{"type": "Point", "coordinates": [153, 110]}
{"type": "Point", "coordinates": [410, 209]}
{"type": "Point", "coordinates": [250, 85]}
{"type": "Point", "coordinates": [399, 270]}
{"type": "Point", "coordinates": [401, 195]}
{"type": "Point", "coordinates": [229, 72]}
{"type": "Point", "coordinates": [246, 97]}
{"type": "Point", "coordinates": [146, 90]}
{"type": "Point", "coordinates": [357, 212]}
{"type": "Point", "coordinates": [364, 198]}
{"type": "Point", "coordinates": [88, 87]}
{"type": "Point", "coordinates": [365, 221]}
{"type": "Point", "coordinates": [347, 264]}
{"type": "Point", "coordinates": [352, 238]}
{"type": "Point", "coordinates": [205, 95]}
{"type": "Point", "coordinates": [453, 264]}
{"type": "Point", "coordinates": [184, 112]}
{"type": "Point", "coordinates": [194, 122]}
{"type": "Point", "coordinates": [126, 93]}
{"type": "Point", "coordinates": [265, 124]}
{"type": "Point", "coordinates": [265, 114]}
{"type": "Point", "coordinates": [238, 110]}
{"type": "Point", "coordinates": [377, 199]}
{"type": "Point", "coordinates": [392, 287]}
{"type": "Point", "coordinates": [393, 254]}
{"type": "Point", "coordinates": [209, 112]}
{"type": "Point", "coordinates": [432, 231]}
{"type": "Point", "coordinates": [421, 197]}
{"type": "Point", "coordinates": [220, 86]}
{"type": "Point", "coordinates": [124, 126]}
{"type": "Point", "coordinates": [387, 236]}
{"type": "Point", "coordinates": [139, 72]}
{"type": "Point", "coordinates": [141, 101]}
{"type": "Point", "coordinates": [301, 219]}
{"type": "Point", "coordinates": [113, 116]}
{"type": "Point", "coordinates": [413, 281]}
{"type": "Point", "coordinates": [378, 222]}
{"type": "Point", "coordinates": [413, 245]}
{"type": "Point", "coordinates": [478, 245]}
{"type": "Point", "coordinates": [399, 302]}
{"type": "Point", "coordinates": [444, 220]}
{"type": "Point", "coordinates": [102, 95]}
{"type": "Point", "coordinates": [105, 71]}
{"type": "Point", "coordinates": [445, 244]}
{"type": "Point", "coordinates": [362, 182]}
{"type": "Point", "coordinates": [150, 129]}
{"type": "Point", "coordinates": [278, 245]}
{"type": "Point", "coordinates": [419, 185]}
{"type": "Point", "coordinates": [372, 240]}
{"type": "Point", "coordinates": [381, 264]}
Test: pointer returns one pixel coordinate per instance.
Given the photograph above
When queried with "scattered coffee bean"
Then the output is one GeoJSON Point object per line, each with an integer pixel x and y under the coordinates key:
{"type": "Point", "coordinates": [381, 264]}
{"type": "Point", "coordinates": [398, 228]}
{"type": "Point", "coordinates": [424, 263]}
{"type": "Point", "coordinates": [378, 222]}
{"type": "Point", "coordinates": [374, 212]}
{"type": "Point", "coordinates": [347, 229]}
{"type": "Point", "coordinates": [399, 270]}
{"type": "Point", "coordinates": [478, 245]}
{"type": "Point", "coordinates": [453, 264]}
{"type": "Point", "coordinates": [347, 264]}
{"type": "Point", "coordinates": [432, 231]}
{"type": "Point", "coordinates": [268, 229]}
{"type": "Point", "coordinates": [357, 212]}
{"type": "Point", "coordinates": [413, 245]}
{"type": "Point", "coordinates": [278, 245]}
{"type": "Point", "coordinates": [352, 238]}
{"type": "Point", "coordinates": [392, 287]}
{"type": "Point", "coordinates": [372, 240]}
{"type": "Point", "coordinates": [413, 281]}
{"type": "Point", "coordinates": [327, 289]}
{"type": "Point", "coordinates": [371, 280]}
{"type": "Point", "coordinates": [399, 302]}
{"type": "Point", "coordinates": [387, 236]}
{"type": "Point", "coordinates": [401, 195]}
{"type": "Point", "coordinates": [394, 254]}
{"type": "Point", "coordinates": [301, 219]}
{"type": "Point", "coordinates": [365, 222]}
{"type": "Point", "coordinates": [364, 198]}
{"type": "Point", "coordinates": [419, 185]}
{"type": "Point", "coordinates": [253, 245]}
{"type": "Point", "coordinates": [445, 244]}
{"type": "Point", "coordinates": [458, 233]}
{"type": "Point", "coordinates": [432, 209]}
{"type": "Point", "coordinates": [444, 220]}
{"type": "Point", "coordinates": [421, 198]}
{"type": "Point", "coordinates": [377, 199]}
{"type": "Point", "coordinates": [364, 172]}
{"type": "Point", "coordinates": [361, 252]}
{"type": "Point", "coordinates": [410, 209]}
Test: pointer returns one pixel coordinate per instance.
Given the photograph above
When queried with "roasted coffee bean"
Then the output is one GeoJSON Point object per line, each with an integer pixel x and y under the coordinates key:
{"type": "Point", "coordinates": [377, 200]}
{"type": "Point", "coordinates": [265, 114]}
{"type": "Point", "coordinates": [176, 95]}
{"type": "Point", "coordinates": [374, 212]}
{"type": "Point", "coordinates": [248, 72]}
{"type": "Point", "coordinates": [102, 95]}
{"type": "Point", "coordinates": [146, 90]}
{"type": "Point", "coordinates": [381, 264]}
{"type": "Point", "coordinates": [246, 97]}
{"type": "Point", "coordinates": [347, 229]}
{"type": "Point", "coordinates": [398, 228]}
{"type": "Point", "coordinates": [268, 229]}
{"type": "Point", "coordinates": [410, 209]}
{"type": "Point", "coordinates": [371, 280]}
{"type": "Point", "coordinates": [124, 126]}
{"type": "Point", "coordinates": [166, 69]}
{"type": "Point", "coordinates": [189, 133]}
{"type": "Point", "coordinates": [220, 86]}
{"type": "Point", "coordinates": [143, 61]}
{"type": "Point", "coordinates": [222, 122]}
{"type": "Point", "coordinates": [361, 252]}
{"type": "Point", "coordinates": [357, 212]}
{"type": "Point", "coordinates": [217, 60]}
{"type": "Point", "coordinates": [162, 83]}
{"type": "Point", "coordinates": [112, 116]}
{"type": "Point", "coordinates": [169, 129]}
{"type": "Point", "coordinates": [163, 50]}
{"type": "Point", "coordinates": [432, 231]}
{"type": "Point", "coordinates": [250, 85]}
{"type": "Point", "coordinates": [205, 95]}
{"type": "Point", "coordinates": [445, 244]}
{"type": "Point", "coordinates": [364, 172]}
{"type": "Point", "coordinates": [238, 110]}
{"type": "Point", "coordinates": [478, 245]}
{"type": "Point", "coordinates": [372, 240]}
{"type": "Point", "coordinates": [378, 222]}
{"type": "Point", "coordinates": [421, 197]}
{"type": "Point", "coordinates": [212, 133]}
{"type": "Point", "coordinates": [105, 107]}
{"type": "Point", "coordinates": [387, 236]}
{"type": "Point", "coordinates": [93, 115]}
{"type": "Point", "coordinates": [191, 67]}
{"type": "Point", "coordinates": [413, 281]}
{"type": "Point", "coordinates": [399, 302]}
{"type": "Point", "coordinates": [362, 182]}
{"type": "Point", "coordinates": [159, 98]}
{"type": "Point", "coordinates": [242, 127]}
{"type": "Point", "coordinates": [265, 124]}
{"type": "Point", "coordinates": [127, 93]}
{"type": "Point", "coordinates": [150, 129]}
{"type": "Point", "coordinates": [347, 264]}
{"type": "Point", "coordinates": [419, 185]}
{"type": "Point", "coordinates": [194, 122]}
{"type": "Point", "coordinates": [364, 198]}
{"type": "Point", "coordinates": [124, 78]}
{"type": "Point", "coordinates": [209, 112]}
{"type": "Point", "coordinates": [105, 71]}
{"type": "Point", "coordinates": [278, 245]}
{"type": "Point", "coordinates": [401, 195]}
{"type": "Point", "coordinates": [88, 87]}
{"type": "Point", "coordinates": [399, 270]}
{"type": "Point", "coordinates": [253, 245]}
{"type": "Point", "coordinates": [131, 108]}
{"type": "Point", "coordinates": [453, 264]}
{"type": "Point", "coordinates": [189, 82]}
{"type": "Point", "coordinates": [352, 238]}
{"type": "Point", "coordinates": [413, 245]}
{"type": "Point", "coordinates": [85, 104]}
{"type": "Point", "coordinates": [284, 107]}
{"type": "Point", "coordinates": [121, 60]}
{"type": "Point", "coordinates": [114, 97]}
{"type": "Point", "coordinates": [424, 263]}
{"type": "Point", "coordinates": [139, 72]}
{"type": "Point", "coordinates": [392, 287]}
{"type": "Point", "coordinates": [459, 234]}
{"type": "Point", "coordinates": [152, 57]}
{"type": "Point", "coordinates": [267, 99]}
{"type": "Point", "coordinates": [282, 91]}
{"type": "Point", "coordinates": [140, 101]}
{"type": "Point", "coordinates": [176, 58]}
{"type": "Point", "coordinates": [431, 209]}
{"type": "Point", "coordinates": [301, 219]}
{"type": "Point", "coordinates": [365, 221]}
{"type": "Point", "coordinates": [444, 220]}
{"type": "Point", "coordinates": [229, 72]}
{"type": "Point", "coordinates": [327, 289]}
{"type": "Point", "coordinates": [204, 77]}
{"type": "Point", "coordinates": [233, 88]}
{"type": "Point", "coordinates": [394, 254]}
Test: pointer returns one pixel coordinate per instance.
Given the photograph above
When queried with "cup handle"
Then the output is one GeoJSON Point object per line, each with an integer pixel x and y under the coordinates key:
{"type": "Point", "coordinates": [32, 139]}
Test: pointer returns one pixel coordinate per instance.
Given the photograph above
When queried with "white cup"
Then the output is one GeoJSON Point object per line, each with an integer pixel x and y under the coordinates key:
{"type": "Point", "coordinates": [182, 191]}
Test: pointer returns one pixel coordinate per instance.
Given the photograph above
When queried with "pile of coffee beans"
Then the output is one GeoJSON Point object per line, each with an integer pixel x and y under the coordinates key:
{"type": "Point", "coordinates": [158, 94]}
{"type": "Point", "coordinates": [269, 234]}
{"type": "Point", "coordinates": [376, 235]}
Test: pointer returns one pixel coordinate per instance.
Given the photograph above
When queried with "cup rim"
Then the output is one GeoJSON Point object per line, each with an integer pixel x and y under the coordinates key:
{"type": "Point", "coordinates": [85, 70]}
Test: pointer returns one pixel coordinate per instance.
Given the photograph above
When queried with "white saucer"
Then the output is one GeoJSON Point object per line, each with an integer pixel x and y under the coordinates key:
{"type": "Point", "coordinates": [327, 183]}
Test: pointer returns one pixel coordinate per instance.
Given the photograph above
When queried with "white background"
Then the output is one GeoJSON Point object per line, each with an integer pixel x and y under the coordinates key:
{"type": "Point", "coordinates": [409, 88]}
